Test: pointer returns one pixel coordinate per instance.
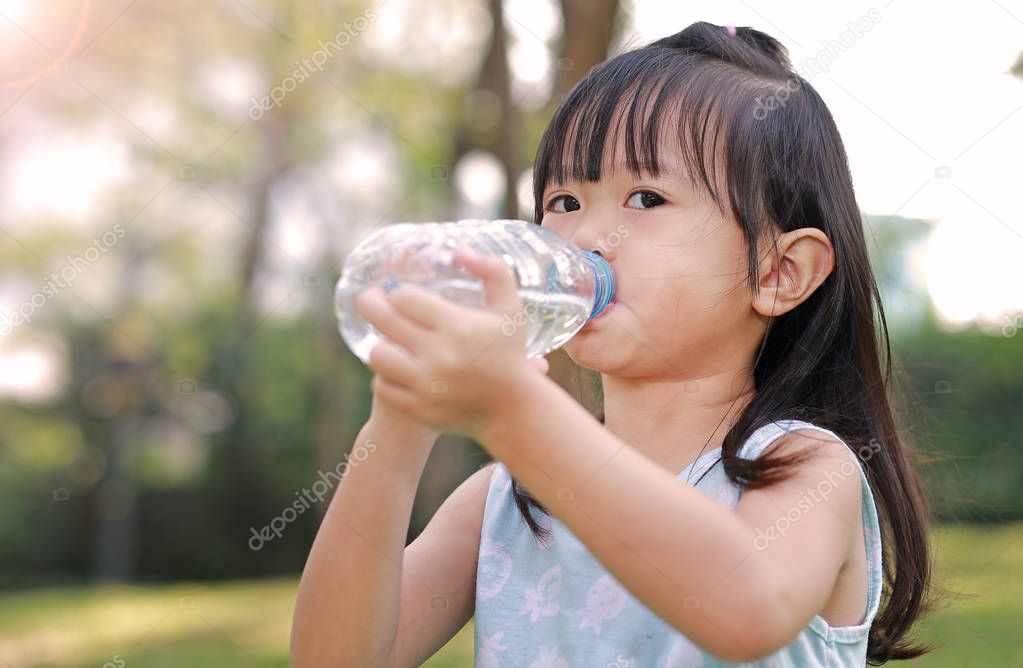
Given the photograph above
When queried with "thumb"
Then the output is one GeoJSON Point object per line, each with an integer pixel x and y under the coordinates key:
{"type": "Point", "coordinates": [498, 280]}
{"type": "Point", "coordinates": [541, 364]}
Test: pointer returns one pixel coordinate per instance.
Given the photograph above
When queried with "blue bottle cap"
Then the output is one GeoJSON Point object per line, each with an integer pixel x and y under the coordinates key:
{"type": "Point", "coordinates": [604, 280]}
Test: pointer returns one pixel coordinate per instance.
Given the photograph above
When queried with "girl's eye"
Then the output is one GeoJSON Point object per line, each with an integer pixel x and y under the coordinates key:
{"type": "Point", "coordinates": [644, 199]}
{"type": "Point", "coordinates": [570, 204]}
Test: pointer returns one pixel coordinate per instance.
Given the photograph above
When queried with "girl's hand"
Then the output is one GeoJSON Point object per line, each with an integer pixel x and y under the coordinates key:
{"type": "Point", "coordinates": [448, 366]}
{"type": "Point", "coordinates": [386, 418]}
{"type": "Point", "coordinates": [386, 414]}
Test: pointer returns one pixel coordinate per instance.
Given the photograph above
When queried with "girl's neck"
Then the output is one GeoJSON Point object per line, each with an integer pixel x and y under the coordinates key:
{"type": "Point", "coordinates": [674, 421]}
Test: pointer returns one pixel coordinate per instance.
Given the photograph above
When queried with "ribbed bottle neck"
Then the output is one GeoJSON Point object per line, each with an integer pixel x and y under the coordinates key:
{"type": "Point", "coordinates": [604, 282]}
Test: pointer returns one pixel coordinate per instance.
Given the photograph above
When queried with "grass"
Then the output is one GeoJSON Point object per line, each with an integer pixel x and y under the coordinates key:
{"type": "Point", "coordinates": [247, 623]}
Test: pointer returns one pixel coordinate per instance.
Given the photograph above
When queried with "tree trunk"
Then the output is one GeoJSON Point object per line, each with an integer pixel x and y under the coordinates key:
{"type": "Point", "coordinates": [589, 28]}
{"type": "Point", "coordinates": [503, 138]}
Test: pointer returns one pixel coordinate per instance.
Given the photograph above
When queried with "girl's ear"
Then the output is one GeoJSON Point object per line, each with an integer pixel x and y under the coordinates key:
{"type": "Point", "coordinates": [789, 273]}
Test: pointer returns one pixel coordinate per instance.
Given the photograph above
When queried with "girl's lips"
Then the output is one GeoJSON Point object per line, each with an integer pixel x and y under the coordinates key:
{"type": "Point", "coordinates": [607, 309]}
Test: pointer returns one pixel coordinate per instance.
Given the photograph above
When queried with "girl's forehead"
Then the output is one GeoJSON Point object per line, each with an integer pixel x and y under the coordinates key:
{"type": "Point", "coordinates": [626, 150]}
{"type": "Point", "coordinates": [671, 167]}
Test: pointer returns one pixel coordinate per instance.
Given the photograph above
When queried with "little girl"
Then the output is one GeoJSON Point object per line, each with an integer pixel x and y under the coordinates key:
{"type": "Point", "coordinates": [744, 497]}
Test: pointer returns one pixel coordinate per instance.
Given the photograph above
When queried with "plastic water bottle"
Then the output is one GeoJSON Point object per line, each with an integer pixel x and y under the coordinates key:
{"type": "Point", "coordinates": [561, 286]}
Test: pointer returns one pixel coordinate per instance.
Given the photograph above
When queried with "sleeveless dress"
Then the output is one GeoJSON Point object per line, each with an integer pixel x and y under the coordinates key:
{"type": "Point", "coordinates": [551, 604]}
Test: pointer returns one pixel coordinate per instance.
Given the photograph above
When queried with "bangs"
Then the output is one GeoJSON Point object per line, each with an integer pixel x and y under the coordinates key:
{"type": "Point", "coordinates": [656, 99]}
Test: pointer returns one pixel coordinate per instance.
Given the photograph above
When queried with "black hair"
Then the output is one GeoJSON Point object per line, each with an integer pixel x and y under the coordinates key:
{"type": "Point", "coordinates": [734, 98]}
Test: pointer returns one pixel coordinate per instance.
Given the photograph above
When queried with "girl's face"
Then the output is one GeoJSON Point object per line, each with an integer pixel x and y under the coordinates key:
{"type": "Point", "coordinates": [682, 307]}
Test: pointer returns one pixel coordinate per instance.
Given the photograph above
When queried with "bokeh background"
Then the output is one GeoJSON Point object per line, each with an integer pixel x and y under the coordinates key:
{"type": "Point", "coordinates": [181, 181]}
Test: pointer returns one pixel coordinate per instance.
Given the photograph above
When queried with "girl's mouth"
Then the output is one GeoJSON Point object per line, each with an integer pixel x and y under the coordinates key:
{"type": "Point", "coordinates": [607, 309]}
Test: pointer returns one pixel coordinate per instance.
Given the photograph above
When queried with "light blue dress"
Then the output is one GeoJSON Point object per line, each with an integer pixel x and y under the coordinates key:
{"type": "Point", "coordinates": [551, 604]}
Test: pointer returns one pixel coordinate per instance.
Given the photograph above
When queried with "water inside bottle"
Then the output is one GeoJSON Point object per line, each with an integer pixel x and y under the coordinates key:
{"type": "Point", "coordinates": [550, 319]}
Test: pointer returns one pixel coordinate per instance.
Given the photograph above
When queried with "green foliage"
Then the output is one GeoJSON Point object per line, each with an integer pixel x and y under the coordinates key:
{"type": "Point", "coordinates": [967, 391]}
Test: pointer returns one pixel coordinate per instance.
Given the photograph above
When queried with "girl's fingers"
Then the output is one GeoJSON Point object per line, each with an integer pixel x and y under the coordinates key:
{"type": "Point", "coordinates": [374, 305]}
{"type": "Point", "coordinates": [391, 361]}
{"type": "Point", "coordinates": [395, 395]}
{"type": "Point", "coordinates": [499, 284]}
{"type": "Point", "coordinates": [541, 364]}
{"type": "Point", "coordinates": [426, 308]}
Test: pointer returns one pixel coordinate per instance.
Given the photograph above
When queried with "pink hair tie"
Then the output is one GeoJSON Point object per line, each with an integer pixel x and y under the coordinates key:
{"type": "Point", "coordinates": [730, 30]}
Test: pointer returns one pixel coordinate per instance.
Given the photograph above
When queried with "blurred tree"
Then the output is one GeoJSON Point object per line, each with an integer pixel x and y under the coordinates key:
{"type": "Point", "coordinates": [492, 90]}
{"type": "Point", "coordinates": [590, 27]}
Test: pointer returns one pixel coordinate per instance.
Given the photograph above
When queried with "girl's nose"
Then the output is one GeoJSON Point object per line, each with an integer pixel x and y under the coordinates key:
{"type": "Point", "coordinates": [589, 237]}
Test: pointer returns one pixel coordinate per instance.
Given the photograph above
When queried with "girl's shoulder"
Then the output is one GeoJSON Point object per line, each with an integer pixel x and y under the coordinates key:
{"type": "Point", "coordinates": [790, 434]}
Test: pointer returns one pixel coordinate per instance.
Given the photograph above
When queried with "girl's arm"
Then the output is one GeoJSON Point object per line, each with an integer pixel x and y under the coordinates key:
{"type": "Point", "coordinates": [692, 561]}
{"type": "Point", "coordinates": [364, 598]}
